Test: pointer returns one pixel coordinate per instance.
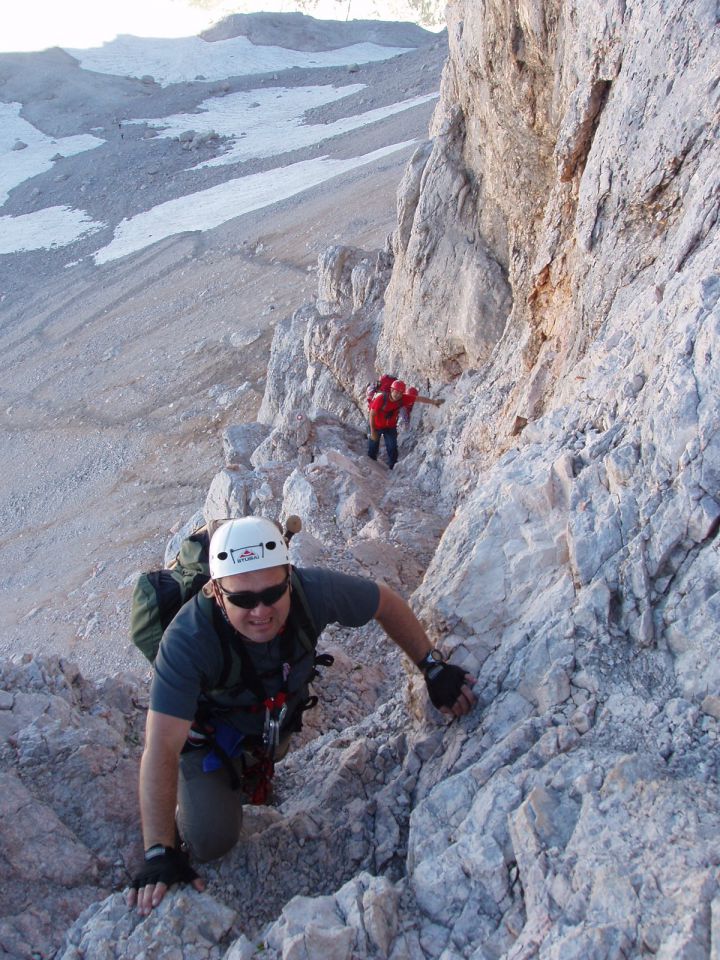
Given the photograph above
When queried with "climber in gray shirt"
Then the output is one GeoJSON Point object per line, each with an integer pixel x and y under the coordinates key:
{"type": "Point", "coordinates": [230, 686]}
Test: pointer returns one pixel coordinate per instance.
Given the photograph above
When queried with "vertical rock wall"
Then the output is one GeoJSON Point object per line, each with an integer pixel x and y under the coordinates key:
{"type": "Point", "coordinates": [574, 156]}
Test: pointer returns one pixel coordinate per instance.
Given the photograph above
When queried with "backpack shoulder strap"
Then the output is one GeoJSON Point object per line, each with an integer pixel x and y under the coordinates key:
{"type": "Point", "coordinates": [385, 395]}
{"type": "Point", "coordinates": [302, 618]}
{"type": "Point", "coordinates": [209, 609]}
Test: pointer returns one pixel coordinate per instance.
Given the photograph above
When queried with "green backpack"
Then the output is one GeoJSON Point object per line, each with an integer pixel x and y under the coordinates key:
{"type": "Point", "coordinates": [158, 595]}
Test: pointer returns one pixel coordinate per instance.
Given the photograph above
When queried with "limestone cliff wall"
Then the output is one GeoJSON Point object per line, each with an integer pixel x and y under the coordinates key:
{"type": "Point", "coordinates": [574, 156]}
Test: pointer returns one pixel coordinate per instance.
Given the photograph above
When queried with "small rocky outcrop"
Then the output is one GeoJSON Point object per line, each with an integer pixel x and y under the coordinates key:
{"type": "Point", "coordinates": [69, 753]}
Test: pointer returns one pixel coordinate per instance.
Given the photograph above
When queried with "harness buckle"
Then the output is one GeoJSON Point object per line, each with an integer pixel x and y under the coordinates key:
{"type": "Point", "coordinates": [275, 713]}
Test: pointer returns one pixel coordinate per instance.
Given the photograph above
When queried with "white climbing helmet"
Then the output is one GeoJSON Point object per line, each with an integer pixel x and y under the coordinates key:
{"type": "Point", "coordinates": [246, 544]}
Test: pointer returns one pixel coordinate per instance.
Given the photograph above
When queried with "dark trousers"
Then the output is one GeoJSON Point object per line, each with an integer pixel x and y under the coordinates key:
{"type": "Point", "coordinates": [209, 811]}
{"type": "Point", "coordinates": [389, 434]}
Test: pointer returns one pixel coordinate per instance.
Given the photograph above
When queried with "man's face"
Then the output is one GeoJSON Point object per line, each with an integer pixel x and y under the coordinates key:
{"type": "Point", "coordinates": [262, 622]}
{"type": "Point", "coordinates": [395, 394]}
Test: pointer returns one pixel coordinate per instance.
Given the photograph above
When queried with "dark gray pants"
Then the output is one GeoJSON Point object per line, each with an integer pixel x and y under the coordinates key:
{"type": "Point", "coordinates": [209, 812]}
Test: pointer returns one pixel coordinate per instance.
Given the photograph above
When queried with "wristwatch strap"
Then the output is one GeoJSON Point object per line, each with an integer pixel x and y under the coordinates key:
{"type": "Point", "coordinates": [156, 850]}
{"type": "Point", "coordinates": [431, 659]}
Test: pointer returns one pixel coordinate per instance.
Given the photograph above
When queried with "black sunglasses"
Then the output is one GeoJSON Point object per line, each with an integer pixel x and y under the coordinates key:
{"type": "Point", "coordinates": [248, 600]}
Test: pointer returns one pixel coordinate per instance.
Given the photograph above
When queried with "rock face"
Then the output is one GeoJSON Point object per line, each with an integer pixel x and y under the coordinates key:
{"type": "Point", "coordinates": [69, 762]}
{"type": "Point", "coordinates": [554, 275]}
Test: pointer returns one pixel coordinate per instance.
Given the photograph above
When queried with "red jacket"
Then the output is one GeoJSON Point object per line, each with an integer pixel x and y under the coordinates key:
{"type": "Point", "coordinates": [386, 411]}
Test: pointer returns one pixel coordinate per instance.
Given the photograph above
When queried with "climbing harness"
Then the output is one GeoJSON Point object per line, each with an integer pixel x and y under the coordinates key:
{"type": "Point", "coordinates": [227, 745]}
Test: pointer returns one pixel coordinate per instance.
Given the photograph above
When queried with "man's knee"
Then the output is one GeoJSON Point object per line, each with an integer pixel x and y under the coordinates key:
{"type": "Point", "coordinates": [210, 834]}
{"type": "Point", "coordinates": [204, 847]}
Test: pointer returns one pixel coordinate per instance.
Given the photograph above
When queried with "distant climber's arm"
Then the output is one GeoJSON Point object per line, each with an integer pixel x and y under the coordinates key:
{"type": "Point", "coordinates": [451, 690]}
{"type": "Point", "coordinates": [164, 739]}
{"type": "Point", "coordinates": [435, 403]}
{"type": "Point", "coordinates": [373, 428]}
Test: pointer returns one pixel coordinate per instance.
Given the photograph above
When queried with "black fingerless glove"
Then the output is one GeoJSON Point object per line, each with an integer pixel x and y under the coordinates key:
{"type": "Point", "coordinates": [444, 682]}
{"type": "Point", "coordinates": [168, 867]}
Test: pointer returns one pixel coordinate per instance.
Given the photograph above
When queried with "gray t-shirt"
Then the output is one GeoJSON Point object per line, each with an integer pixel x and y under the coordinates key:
{"type": "Point", "coordinates": [190, 658]}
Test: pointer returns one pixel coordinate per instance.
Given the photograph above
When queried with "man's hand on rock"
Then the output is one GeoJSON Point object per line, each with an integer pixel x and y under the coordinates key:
{"type": "Point", "coordinates": [465, 701]}
{"type": "Point", "coordinates": [450, 689]}
{"type": "Point", "coordinates": [163, 867]}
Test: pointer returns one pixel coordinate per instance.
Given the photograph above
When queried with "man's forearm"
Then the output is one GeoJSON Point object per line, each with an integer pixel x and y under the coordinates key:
{"type": "Point", "coordinates": [401, 625]}
{"type": "Point", "coordinates": [158, 796]}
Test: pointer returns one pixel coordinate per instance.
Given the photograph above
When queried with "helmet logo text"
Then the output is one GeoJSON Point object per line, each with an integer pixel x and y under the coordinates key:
{"type": "Point", "coordinates": [246, 554]}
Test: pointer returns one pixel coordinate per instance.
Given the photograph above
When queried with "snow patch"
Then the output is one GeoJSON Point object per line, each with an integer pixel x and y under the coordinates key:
{"type": "Point", "coordinates": [185, 59]}
{"type": "Point", "coordinates": [36, 156]}
{"type": "Point", "coordinates": [266, 123]}
{"type": "Point", "coordinates": [45, 229]}
{"type": "Point", "coordinates": [225, 201]}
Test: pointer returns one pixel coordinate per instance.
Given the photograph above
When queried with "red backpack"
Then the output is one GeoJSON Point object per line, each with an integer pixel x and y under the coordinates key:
{"type": "Point", "coordinates": [380, 386]}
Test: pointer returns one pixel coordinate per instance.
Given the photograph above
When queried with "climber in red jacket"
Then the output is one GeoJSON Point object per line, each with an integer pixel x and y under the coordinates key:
{"type": "Point", "coordinates": [385, 408]}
